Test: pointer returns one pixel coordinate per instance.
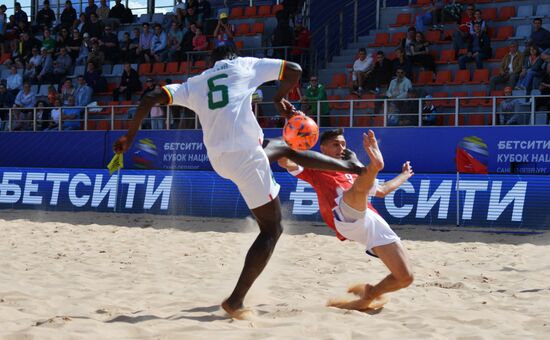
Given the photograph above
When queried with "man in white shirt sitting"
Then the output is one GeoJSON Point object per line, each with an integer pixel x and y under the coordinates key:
{"type": "Point", "coordinates": [361, 68]}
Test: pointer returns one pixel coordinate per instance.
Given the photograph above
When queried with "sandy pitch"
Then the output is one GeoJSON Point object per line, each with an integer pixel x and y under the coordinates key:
{"type": "Point", "coordinates": [107, 276]}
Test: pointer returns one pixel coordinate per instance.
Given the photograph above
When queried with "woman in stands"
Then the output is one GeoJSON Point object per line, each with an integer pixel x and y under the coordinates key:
{"type": "Point", "coordinates": [420, 53]}
{"type": "Point", "coordinates": [532, 68]}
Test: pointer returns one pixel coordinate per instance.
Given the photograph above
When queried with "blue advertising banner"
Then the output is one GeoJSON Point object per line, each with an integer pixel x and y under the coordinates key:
{"type": "Point", "coordinates": [485, 200]}
{"type": "Point", "coordinates": [431, 150]}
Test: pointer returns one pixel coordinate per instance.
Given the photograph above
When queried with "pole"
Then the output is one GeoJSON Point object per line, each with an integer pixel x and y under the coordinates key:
{"type": "Point", "coordinates": [116, 188]}
{"type": "Point", "coordinates": [457, 199]}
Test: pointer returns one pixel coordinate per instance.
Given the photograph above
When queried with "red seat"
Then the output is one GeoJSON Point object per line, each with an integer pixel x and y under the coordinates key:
{"type": "Point", "coordinates": [489, 14]}
{"type": "Point", "coordinates": [506, 13]}
{"type": "Point", "coordinates": [172, 67]}
{"type": "Point", "coordinates": [258, 28]}
{"type": "Point", "coordinates": [144, 69]}
{"type": "Point", "coordinates": [364, 105]}
{"type": "Point", "coordinates": [200, 65]}
{"type": "Point", "coordinates": [242, 29]}
{"type": "Point", "coordinates": [361, 120]}
{"type": "Point", "coordinates": [433, 36]}
{"type": "Point", "coordinates": [504, 32]}
{"type": "Point", "coordinates": [338, 80]}
{"type": "Point", "coordinates": [471, 119]}
{"type": "Point", "coordinates": [381, 39]}
{"type": "Point", "coordinates": [264, 11]}
{"type": "Point", "coordinates": [185, 67]}
{"type": "Point", "coordinates": [425, 78]}
{"type": "Point", "coordinates": [158, 68]}
{"type": "Point", "coordinates": [446, 57]}
{"type": "Point", "coordinates": [344, 105]}
{"type": "Point", "coordinates": [339, 121]}
{"type": "Point", "coordinates": [239, 44]}
{"type": "Point", "coordinates": [4, 57]}
{"type": "Point", "coordinates": [421, 3]}
{"type": "Point", "coordinates": [237, 12]}
{"type": "Point", "coordinates": [403, 19]}
{"type": "Point", "coordinates": [396, 38]}
{"type": "Point", "coordinates": [443, 77]}
{"type": "Point", "coordinates": [480, 77]}
{"type": "Point", "coordinates": [250, 12]}
{"type": "Point", "coordinates": [444, 103]}
{"type": "Point", "coordinates": [477, 102]}
{"type": "Point", "coordinates": [331, 102]}
{"type": "Point", "coordinates": [460, 95]}
{"type": "Point", "coordinates": [500, 54]}
{"type": "Point", "coordinates": [461, 77]}
{"type": "Point", "coordinates": [276, 8]}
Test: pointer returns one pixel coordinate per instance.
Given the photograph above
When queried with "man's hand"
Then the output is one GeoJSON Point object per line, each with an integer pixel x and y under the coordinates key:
{"type": "Point", "coordinates": [407, 170]}
{"type": "Point", "coordinates": [122, 144]}
{"type": "Point", "coordinates": [285, 108]}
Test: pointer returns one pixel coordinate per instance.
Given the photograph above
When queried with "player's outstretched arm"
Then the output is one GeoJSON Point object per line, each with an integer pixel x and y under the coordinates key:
{"type": "Point", "coordinates": [291, 75]}
{"type": "Point", "coordinates": [393, 184]}
{"type": "Point", "coordinates": [152, 98]}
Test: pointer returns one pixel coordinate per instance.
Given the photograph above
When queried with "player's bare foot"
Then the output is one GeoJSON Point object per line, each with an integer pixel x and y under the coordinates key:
{"type": "Point", "coordinates": [357, 289]}
{"type": "Point", "coordinates": [240, 313]}
{"type": "Point", "coordinates": [364, 303]}
{"type": "Point", "coordinates": [371, 147]}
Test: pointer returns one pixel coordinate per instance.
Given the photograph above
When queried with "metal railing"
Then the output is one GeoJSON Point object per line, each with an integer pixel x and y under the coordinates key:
{"type": "Point", "coordinates": [382, 112]}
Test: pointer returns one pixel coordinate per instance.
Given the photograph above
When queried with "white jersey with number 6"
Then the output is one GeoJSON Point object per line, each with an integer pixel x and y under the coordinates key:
{"type": "Point", "coordinates": [222, 98]}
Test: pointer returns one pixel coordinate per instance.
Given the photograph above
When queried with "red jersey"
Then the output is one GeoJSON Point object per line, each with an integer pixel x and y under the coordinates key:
{"type": "Point", "coordinates": [328, 185]}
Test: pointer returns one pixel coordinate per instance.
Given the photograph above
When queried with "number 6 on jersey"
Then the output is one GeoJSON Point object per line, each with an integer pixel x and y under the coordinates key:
{"type": "Point", "coordinates": [213, 88]}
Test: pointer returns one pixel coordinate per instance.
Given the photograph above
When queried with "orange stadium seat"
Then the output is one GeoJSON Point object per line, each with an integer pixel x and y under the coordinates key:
{"type": "Point", "coordinates": [338, 80]}
{"type": "Point", "coordinates": [276, 8]}
{"type": "Point", "coordinates": [489, 14]}
{"type": "Point", "coordinates": [425, 78]}
{"type": "Point", "coordinates": [344, 105]}
{"type": "Point", "coordinates": [381, 39]}
{"type": "Point", "coordinates": [444, 103]}
{"type": "Point", "coordinates": [200, 65]}
{"type": "Point", "coordinates": [403, 19]}
{"type": "Point", "coordinates": [331, 103]}
{"type": "Point", "coordinates": [250, 12]}
{"type": "Point", "coordinates": [446, 57]}
{"type": "Point", "coordinates": [443, 77]}
{"type": "Point", "coordinates": [4, 57]}
{"type": "Point", "coordinates": [144, 69]}
{"type": "Point", "coordinates": [506, 13]}
{"type": "Point", "coordinates": [471, 119]}
{"type": "Point", "coordinates": [258, 28]}
{"type": "Point", "coordinates": [364, 105]}
{"type": "Point", "coordinates": [242, 29]}
{"type": "Point", "coordinates": [396, 38]}
{"type": "Point", "coordinates": [264, 11]}
{"type": "Point", "coordinates": [339, 121]}
{"type": "Point", "coordinates": [504, 32]}
{"type": "Point", "coordinates": [461, 77]}
{"type": "Point", "coordinates": [480, 77]}
{"type": "Point", "coordinates": [433, 36]}
{"type": "Point", "coordinates": [185, 67]}
{"type": "Point", "coordinates": [500, 53]}
{"type": "Point", "coordinates": [172, 68]}
{"type": "Point", "coordinates": [237, 12]}
{"type": "Point", "coordinates": [239, 44]}
{"type": "Point", "coordinates": [158, 68]}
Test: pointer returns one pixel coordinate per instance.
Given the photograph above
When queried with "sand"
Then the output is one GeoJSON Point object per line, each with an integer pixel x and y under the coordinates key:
{"type": "Point", "coordinates": [117, 276]}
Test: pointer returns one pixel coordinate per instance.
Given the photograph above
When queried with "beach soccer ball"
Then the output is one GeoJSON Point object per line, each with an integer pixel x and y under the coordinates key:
{"type": "Point", "coordinates": [301, 133]}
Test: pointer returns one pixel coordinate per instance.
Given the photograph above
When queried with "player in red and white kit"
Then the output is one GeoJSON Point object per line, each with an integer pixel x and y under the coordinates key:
{"type": "Point", "coordinates": [344, 206]}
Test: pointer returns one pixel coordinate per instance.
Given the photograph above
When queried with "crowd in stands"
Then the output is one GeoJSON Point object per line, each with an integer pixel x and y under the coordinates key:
{"type": "Point", "coordinates": [526, 69]}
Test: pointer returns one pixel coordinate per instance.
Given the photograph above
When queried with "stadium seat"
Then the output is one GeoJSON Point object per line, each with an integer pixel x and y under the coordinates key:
{"type": "Point", "coordinates": [499, 54]}
{"type": "Point", "coordinates": [425, 78]}
{"type": "Point", "coordinates": [524, 12]}
{"type": "Point", "coordinates": [242, 29]}
{"type": "Point", "coordinates": [338, 80]}
{"type": "Point", "coordinates": [34, 89]}
{"type": "Point", "coordinates": [258, 28]}
{"type": "Point", "coordinates": [443, 103]}
{"type": "Point", "coordinates": [480, 77]}
{"type": "Point", "coordinates": [433, 36]}
{"type": "Point", "coordinates": [443, 77]}
{"type": "Point", "coordinates": [158, 18]}
{"type": "Point", "coordinates": [158, 68]}
{"type": "Point", "coordinates": [446, 57]}
{"type": "Point", "coordinates": [144, 18]}
{"type": "Point", "coordinates": [506, 13]}
{"type": "Point", "coordinates": [361, 120]}
{"type": "Point", "coordinates": [381, 39]}
{"type": "Point", "coordinates": [264, 11]}
{"type": "Point", "coordinates": [471, 119]}
{"type": "Point", "coordinates": [79, 70]}
{"type": "Point", "coordinates": [403, 19]}
{"type": "Point", "coordinates": [185, 67]}
{"type": "Point", "coordinates": [504, 33]}
{"type": "Point", "coordinates": [461, 77]}
{"type": "Point", "coordinates": [396, 38]}
{"type": "Point", "coordinates": [171, 68]}
{"type": "Point", "coordinates": [363, 105]}
{"type": "Point", "coordinates": [250, 11]}
{"type": "Point", "coordinates": [345, 105]}
{"type": "Point", "coordinates": [339, 121]}
{"type": "Point", "coordinates": [199, 66]}
{"type": "Point", "coordinates": [422, 3]}
{"type": "Point", "coordinates": [276, 8]}
{"type": "Point", "coordinates": [144, 69]}
{"type": "Point", "coordinates": [489, 14]}
{"type": "Point", "coordinates": [542, 11]}
{"type": "Point", "coordinates": [43, 90]}
{"type": "Point", "coordinates": [239, 44]}
{"type": "Point", "coordinates": [236, 12]}
{"type": "Point", "coordinates": [495, 71]}
{"type": "Point", "coordinates": [4, 57]}
{"type": "Point", "coordinates": [331, 103]}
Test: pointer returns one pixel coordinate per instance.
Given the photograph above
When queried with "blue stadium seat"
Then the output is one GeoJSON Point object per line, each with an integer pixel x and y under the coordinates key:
{"type": "Point", "coordinates": [146, 18]}
{"type": "Point", "coordinates": [43, 90]}
{"type": "Point", "coordinates": [34, 89]}
{"type": "Point", "coordinates": [522, 32]}
{"type": "Point", "coordinates": [543, 11]}
{"type": "Point", "coordinates": [524, 11]}
{"type": "Point", "coordinates": [106, 69]}
{"type": "Point", "coordinates": [158, 18]}
{"type": "Point", "coordinates": [117, 70]}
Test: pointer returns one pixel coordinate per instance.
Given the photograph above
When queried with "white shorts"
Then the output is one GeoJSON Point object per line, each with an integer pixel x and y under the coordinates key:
{"type": "Point", "coordinates": [371, 230]}
{"type": "Point", "coordinates": [250, 171]}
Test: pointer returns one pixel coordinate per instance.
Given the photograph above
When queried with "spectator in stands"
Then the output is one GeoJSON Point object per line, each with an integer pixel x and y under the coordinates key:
{"type": "Point", "coordinates": [381, 73]}
{"type": "Point", "coordinates": [420, 53]}
{"type": "Point", "coordinates": [509, 110]}
{"type": "Point", "coordinates": [70, 115]}
{"type": "Point", "coordinates": [187, 42]}
{"type": "Point", "coordinates": [144, 47]}
{"type": "Point", "coordinates": [52, 95]}
{"type": "Point", "coordinates": [42, 116]}
{"type": "Point", "coordinates": [103, 11]}
{"type": "Point", "coordinates": [96, 56]}
{"type": "Point", "coordinates": [539, 35]}
{"type": "Point", "coordinates": [6, 102]}
{"type": "Point", "coordinates": [191, 17]}
{"type": "Point", "coordinates": [94, 79]}
{"type": "Point", "coordinates": [127, 48]}
{"type": "Point", "coordinates": [93, 27]}
{"type": "Point", "coordinates": [510, 68]}
{"type": "Point", "coordinates": [399, 86]}
{"type": "Point", "coordinates": [200, 43]}
{"type": "Point", "coordinates": [46, 16]}
{"type": "Point", "coordinates": [545, 56]}
{"type": "Point", "coordinates": [129, 83]}
{"type": "Point", "coordinates": [83, 93]}
{"type": "Point", "coordinates": [191, 4]}
{"type": "Point", "coordinates": [362, 66]}
{"type": "Point", "coordinates": [314, 93]}
{"type": "Point", "coordinates": [19, 14]}
{"type": "Point", "coordinates": [3, 24]}
{"type": "Point", "coordinates": [14, 81]}
{"type": "Point", "coordinates": [544, 88]}
{"type": "Point", "coordinates": [158, 43]}
{"type": "Point", "coordinates": [84, 50]}
{"type": "Point", "coordinates": [81, 23]}
{"type": "Point", "coordinates": [401, 61]}
{"type": "Point", "coordinates": [28, 43]}
{"type": "Point", "coordinates": [62, 64]}
{"type": "Point", "coordinates": [118, 11]}
{"type": "Point", "coordinates": [432, 15]}
{"type": "Point", "coordinates": [408, 41]}
{"type": "Point", "coordinates": [90, 9]}
{"type": "Point", "coordinates": [532, 68]}
{"type": "Point", "coordinates": [46, 67]}
{"type": "Point", "coordinates": [67, 90]}
{"type": "Point", "coordinates": [462, 35]}
{"type": "Point", "coordinates": [302, 41]}
{"type": "Point", "coordinates": [32, 65]}
{"type": "Point", "coordinates": [479, 49]}
{"type": "Point", "coordinates": [477, 20]}
{"type": "Point", "coordinates": [109, 45]}
{"type": "Point", "coordinates": [63, 38]}
{"type": "Point", "coordinates": [180, 11]}
{"type": "Point", "coordinates": [55, 113]}
{"type": "Point", "coordinates": [68, 16]}
{"type": "Point", "coordinates": [25, 99]}
{"type": "Point", "coordinates": [204, 10]}
{"type": "Point", "coordinates": [157, 114]}
{"type": "Point", "coordinates": [173, 42]}
{"type": "Point", "coordinates": [224, 32]}
{"type": "Point", "coordinates": [429, 112]}
{"type": "Point", "coordinates": [282, 36]}
{"type": "Point", "coordinates": [48, 42]}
